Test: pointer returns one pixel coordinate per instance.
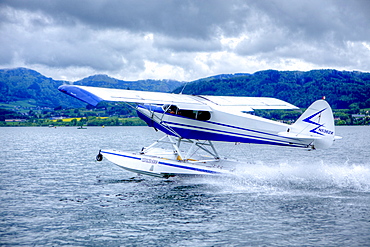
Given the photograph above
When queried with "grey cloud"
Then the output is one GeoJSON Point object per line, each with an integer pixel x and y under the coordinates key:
{"type": "Point", "coordinates": [198, 19]}
{"type": "Point", "coordinates": [315, 19]}
{"type": "Point", "coordinates": [187, 44]}
{"type": "Point", "coordinates": [311, 31]}
{"type": "Point", "coordinates": [123, 36]}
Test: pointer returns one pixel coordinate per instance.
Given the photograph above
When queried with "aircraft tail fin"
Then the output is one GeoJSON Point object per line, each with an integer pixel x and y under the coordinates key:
{"type": "Point", "coordinates": [316, 124]}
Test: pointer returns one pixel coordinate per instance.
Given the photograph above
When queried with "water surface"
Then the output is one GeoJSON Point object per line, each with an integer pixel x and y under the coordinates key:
{"type": "Point", "coordinates": [53, 192]}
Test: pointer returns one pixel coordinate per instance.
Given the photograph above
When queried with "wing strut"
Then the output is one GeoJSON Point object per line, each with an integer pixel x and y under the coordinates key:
{"type": "Point", "coordinates": [191, 156]}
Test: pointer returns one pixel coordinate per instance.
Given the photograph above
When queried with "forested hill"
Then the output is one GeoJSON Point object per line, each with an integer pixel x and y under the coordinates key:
{"type": "Point", "coordinates": [341, 88]}
{"type": "Point", "coordinates": [23, 84]}
{"type": "Point", "coordinates": [142, 85]}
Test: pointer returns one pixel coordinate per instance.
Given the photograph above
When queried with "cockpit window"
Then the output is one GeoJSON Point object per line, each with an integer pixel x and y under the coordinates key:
{"type": "Point", "coordinates": [171, 109]}
{"type": "Point", "coordinates": [198, 115]}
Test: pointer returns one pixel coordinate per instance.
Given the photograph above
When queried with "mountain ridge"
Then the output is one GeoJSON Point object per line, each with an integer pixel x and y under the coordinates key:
{"type": "Point", "coordinates": [343, 89]}
{"type": "Point", "coordinates": [26, 84]}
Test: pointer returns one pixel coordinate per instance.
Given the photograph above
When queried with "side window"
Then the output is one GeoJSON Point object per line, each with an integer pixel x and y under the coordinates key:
{"type": "Point", "coordinates": [203, 115]}
{"type": "Point", "coordinates": [188, 113]}
{"type": "Point", "coordinates": [198, 115]}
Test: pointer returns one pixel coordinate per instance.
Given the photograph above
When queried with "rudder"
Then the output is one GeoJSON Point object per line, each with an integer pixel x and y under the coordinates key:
{"type": "Point", "coordinates": [317, 122]}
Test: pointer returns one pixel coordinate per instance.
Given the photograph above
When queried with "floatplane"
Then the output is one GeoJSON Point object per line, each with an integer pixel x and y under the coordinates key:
{"type": "Point", "coordinates": [200, 120]}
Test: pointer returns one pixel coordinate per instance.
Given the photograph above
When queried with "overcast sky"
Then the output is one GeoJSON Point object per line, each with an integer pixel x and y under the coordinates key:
{"type": "Point", "coordinates": [182, 39]}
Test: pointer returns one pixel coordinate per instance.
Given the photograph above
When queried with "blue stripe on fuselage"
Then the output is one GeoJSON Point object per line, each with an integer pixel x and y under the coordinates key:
{"type": "Point", "coordinates": [151, 123]}
{"type": "Point", "coordinates": [227, 136]}
{"type": "Point", "coordinates": [203, 133]}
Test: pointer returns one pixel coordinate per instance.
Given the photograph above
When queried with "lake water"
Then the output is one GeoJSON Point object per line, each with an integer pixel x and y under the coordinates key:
{"type": "Point", "coordinates": [53, 192]}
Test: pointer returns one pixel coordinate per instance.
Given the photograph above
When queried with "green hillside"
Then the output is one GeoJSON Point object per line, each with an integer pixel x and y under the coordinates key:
{"type": "Point", "coordinates": [27, 94]}
{"type": "Point", "coordinates": [343, 89]}
{"type": "Point", "coordinates": [142, 85]}
{"type": "Point", "coordinates": [27, 88]}
{"type": "Point", "coordinates": [30, 88]}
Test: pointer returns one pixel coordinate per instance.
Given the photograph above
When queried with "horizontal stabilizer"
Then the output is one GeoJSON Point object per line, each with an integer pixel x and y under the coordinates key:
{"type": "Point", "coordinates": [298, 136]}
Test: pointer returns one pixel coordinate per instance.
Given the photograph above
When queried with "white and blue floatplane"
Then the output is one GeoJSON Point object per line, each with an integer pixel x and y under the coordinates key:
{"type": "Point", "coordinates": [195, 121]}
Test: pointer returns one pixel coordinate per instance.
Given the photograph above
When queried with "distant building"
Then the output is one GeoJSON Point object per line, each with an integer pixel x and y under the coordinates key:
{"type": "Point", "coordinates": [56, 118]}
{"type": "Point", "coordinates": [15, 120]}
{"type": "Point", "coordinates": [358, 116]}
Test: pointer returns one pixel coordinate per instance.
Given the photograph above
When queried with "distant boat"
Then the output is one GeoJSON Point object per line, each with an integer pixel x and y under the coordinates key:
{"type": "Point", "coordinates": [81, 127]}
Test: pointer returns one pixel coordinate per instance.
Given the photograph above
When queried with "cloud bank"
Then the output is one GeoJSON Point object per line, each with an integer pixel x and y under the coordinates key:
{"type": "Point", "coordinates": [183, 40]}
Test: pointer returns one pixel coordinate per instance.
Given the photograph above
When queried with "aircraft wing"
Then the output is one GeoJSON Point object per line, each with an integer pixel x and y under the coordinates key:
{"type": "Point", "coordinates": [251, 102]}
{"type": "Point", "coordinates": [94, 95]}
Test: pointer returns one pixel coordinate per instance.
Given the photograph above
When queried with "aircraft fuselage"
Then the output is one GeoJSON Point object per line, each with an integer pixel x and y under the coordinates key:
{"type": "Point", "coordinates": [216, 125]}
